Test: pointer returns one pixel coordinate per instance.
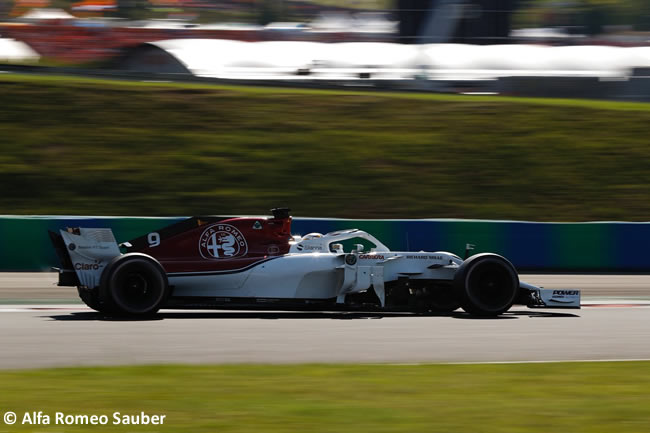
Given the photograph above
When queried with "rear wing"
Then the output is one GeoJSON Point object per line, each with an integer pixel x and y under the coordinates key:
{"type": "Point", "coordinates": [83, 253]}
{"type": "Point", "coordinates": [67, 275]}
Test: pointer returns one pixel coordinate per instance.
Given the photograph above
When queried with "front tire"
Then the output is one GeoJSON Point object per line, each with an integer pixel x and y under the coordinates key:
{"type": "Point", "coordinates": [486, 285]}
{"type": "Point", "coordinates": [134, 284]}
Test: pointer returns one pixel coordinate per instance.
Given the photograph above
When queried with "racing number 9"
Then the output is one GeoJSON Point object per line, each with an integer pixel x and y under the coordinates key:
{"type": "Point", "coordinates": [154, 239]}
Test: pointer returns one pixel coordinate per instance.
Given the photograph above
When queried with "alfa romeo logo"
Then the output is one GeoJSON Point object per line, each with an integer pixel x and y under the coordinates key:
{"type": "Point", "coordinates": [222, 241]}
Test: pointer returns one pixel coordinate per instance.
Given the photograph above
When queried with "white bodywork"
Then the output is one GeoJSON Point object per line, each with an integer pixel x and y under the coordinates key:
{"type": "Point", "coordinates": [315, 268]}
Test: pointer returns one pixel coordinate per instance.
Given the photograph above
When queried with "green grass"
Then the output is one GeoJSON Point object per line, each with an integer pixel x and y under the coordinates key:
{"type": "Point", "coordinates": [84, 146]}
{"type": "Point", "coordinates": [566, 397]}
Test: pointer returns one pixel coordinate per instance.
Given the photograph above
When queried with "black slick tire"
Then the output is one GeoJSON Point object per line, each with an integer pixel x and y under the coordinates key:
{"type": "Point", "coordinates": [134, 284]}
{"type": "Point", "coordinates": [486, 285]}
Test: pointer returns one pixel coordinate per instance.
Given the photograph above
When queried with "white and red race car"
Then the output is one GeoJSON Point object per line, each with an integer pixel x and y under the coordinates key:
{"type": "Point", "coordinates": [255, 263]}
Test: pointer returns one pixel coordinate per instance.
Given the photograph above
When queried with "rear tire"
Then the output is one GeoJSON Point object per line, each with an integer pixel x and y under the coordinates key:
{"type": "Point", "coordinates": [134, 284]}
{"type": "Point", "coordinates": [486, 285]}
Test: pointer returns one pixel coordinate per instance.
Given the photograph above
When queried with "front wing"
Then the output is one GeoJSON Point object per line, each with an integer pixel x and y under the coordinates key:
{"type": "Point", "coordinates": [552, 298]}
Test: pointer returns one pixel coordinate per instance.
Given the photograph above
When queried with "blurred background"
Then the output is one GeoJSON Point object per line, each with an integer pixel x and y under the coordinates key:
{"type": "Point", "coordinates": [90, 30]}
{"type": "Point", "coordinates": [358, 109]}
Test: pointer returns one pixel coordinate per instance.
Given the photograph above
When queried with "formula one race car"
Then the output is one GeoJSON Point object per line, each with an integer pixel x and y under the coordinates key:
{"type": "Point", "coordinates": [255, 263]}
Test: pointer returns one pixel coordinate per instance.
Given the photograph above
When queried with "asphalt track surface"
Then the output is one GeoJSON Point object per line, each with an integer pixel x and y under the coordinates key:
{"type": "Point", "coordinates": [50, 335]}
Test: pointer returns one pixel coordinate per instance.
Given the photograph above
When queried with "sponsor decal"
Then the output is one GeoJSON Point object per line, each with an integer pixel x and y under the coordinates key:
{"type": "Point", "coordinates": [88, 266]}
{"type": "Point", "coordinates": [222, 241]}
{"type": "Point", "coordinates": [303, 247]}
{"type": "Point", "coordinates": [72, 247]}
{"type": "Point", "coordinates": [371, 257]}
{"type": "Point", "coordinates": [273, 249]}
{"type": "Point", "coordinates": [565, 292]}
{"type": "Point", "coordinates": [257, 225]}
{"type": "Point", "coordinates": [425, 257]}
{"type": "Point", "coordinates": [93, 247]}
